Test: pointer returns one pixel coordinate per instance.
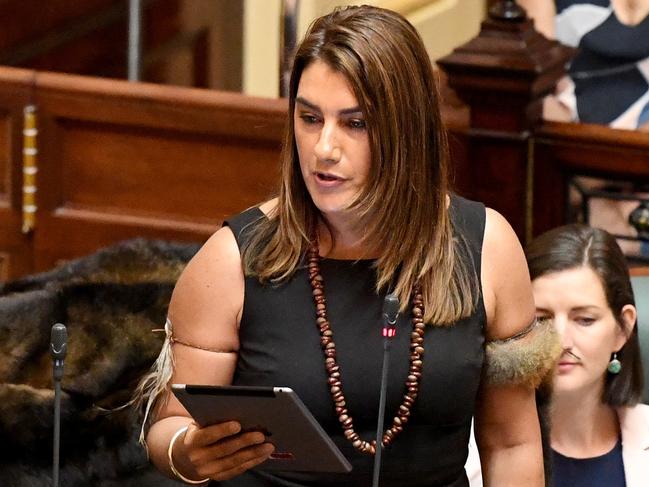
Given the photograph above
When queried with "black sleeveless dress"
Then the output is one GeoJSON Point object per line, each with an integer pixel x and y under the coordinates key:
{"type": "Point", "coordinates": [280, 346]}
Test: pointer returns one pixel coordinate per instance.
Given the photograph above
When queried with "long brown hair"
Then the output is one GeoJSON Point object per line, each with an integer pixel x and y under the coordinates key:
{"type": "Point", "coordinates": [404, 203]}
{"type": "Point", "coordinates": [574, 246]}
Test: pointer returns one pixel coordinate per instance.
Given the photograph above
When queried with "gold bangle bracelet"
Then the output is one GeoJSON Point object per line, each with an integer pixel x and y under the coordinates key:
{"type": "Point", "coordinates": [171, 460]}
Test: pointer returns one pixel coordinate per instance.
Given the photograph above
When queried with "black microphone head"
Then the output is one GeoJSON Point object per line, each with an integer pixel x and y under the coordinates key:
{"type": "Point", "coordinates": [59, 342]}
{"type": "Point", "coordinates": [390, 308]}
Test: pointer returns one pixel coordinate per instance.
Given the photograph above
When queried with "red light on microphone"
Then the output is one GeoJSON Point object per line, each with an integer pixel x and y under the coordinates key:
{"type": "Point", "coordinates": [389, 332]}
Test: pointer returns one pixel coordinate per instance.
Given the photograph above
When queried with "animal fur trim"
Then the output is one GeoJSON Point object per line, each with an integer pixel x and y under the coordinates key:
{"type": "Point", "coordinates": [524, 359]}
{"type": "Point", "coordinates": [109, 302]}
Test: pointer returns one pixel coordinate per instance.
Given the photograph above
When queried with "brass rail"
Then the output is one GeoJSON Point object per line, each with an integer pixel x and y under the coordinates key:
{"type": "Point", "coordinates": [30, 152]}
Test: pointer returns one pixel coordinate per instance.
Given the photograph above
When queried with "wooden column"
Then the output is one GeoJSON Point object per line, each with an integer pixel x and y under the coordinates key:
{"type": "Point", "coordinates": [503, 75]}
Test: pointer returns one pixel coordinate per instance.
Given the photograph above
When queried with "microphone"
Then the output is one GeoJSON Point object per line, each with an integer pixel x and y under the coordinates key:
{"type": "Point", "coordinates": [58, 350]}
{"type": "Point", "coordinates": [389, 316]}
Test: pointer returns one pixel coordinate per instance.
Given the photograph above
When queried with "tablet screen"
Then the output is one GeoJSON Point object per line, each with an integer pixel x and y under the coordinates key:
{"type": "Point", "coordinates": [301, 445]}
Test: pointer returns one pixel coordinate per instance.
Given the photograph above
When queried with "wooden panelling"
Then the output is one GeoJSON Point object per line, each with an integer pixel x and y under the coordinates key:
{"type": "Point", "coordinates": [5, 156]}
{"type": "Point", "coordinates": [564, 150]}
{"type": "Point", "coordinates": [120, 160]}
{"type": "Point", "coordinates": [82, 56]}
{"type": "Point", "coordinates": [503, 75]}
{"type": "Point", "coordinates": [550, 190]}
{"type": "Point", "coordinates": [16, 87]}
{"type": "Point", "coordinates": [495, 173]}
{"type": "Point", "coordinates": [91, 38]}
{"type": "Point", "coordinates": [639, 271]}
{"type": "Point", "coordinates": [4, 266]}
{"type": "Point", "coordinates": [175, 108]}
{"type": "Point", "coordinates": [21, 24]}
{"type": "Point", "coordinates": [597, 150]}
{"type": "Point", "coordinates": [187, 176]}
{"type": "Point", "coordinates": [70, 233]}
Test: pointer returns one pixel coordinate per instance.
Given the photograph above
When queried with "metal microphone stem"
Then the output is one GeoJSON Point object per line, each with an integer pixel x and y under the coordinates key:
{"type": "Point", "coordinates": [379, 424]}
{"type": "Point", "coordinates": [57, 425]}
{"type": "Point", "coordinates": [58, 350]}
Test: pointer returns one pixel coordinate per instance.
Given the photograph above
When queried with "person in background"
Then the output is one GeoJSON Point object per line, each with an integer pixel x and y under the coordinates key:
{"type": "Point", "coordinates": [599, 431]}
{"type": "Point", "coordinates": [608, 80]}
{"type": "Point", "coordinates": [289, 292]}
{"type": "Point", "coordinates": [607, 84]}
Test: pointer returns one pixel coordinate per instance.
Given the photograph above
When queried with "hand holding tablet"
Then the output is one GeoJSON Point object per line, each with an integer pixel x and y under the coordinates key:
{"type": "Point", "coordinates": [301, 445]}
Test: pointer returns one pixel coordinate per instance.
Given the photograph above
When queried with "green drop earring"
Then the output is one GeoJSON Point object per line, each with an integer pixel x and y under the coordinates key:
{"type": "Point", "coordinates": [614, 366]}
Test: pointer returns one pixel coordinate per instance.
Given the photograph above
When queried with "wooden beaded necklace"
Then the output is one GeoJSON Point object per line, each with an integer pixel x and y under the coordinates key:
{"type": "Point", "coordinates": [333, 369]}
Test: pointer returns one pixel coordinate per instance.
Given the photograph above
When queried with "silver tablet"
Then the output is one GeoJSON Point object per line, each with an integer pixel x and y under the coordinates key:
{"type": "Point", "coordinates": [301, 445]}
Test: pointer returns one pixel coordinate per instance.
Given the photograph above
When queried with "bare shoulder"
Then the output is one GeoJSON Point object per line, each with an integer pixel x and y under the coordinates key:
{"type": "Point", "coordinates": [542, 12]}
{"type": "Point", "coordinates": [204, 312]}
{"type": "Point", "coordinates": [207, 301]}
{"type": "Point", "coordinates": [505, 279]}
{"type": "Point", "coordinates": [268, 207]}
{"type": "Point", "coordinates": [498, 230]}
{"type": "Point", "coordinates": [501, 248]}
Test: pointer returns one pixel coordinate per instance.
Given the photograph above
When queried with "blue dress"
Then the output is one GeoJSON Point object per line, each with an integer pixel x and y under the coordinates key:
{"type": "Point", "coordinates": [604, 471]}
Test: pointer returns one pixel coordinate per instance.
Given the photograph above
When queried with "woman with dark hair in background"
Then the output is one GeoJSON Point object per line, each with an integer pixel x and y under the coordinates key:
{"type": "Point", "coordinates": [364, 207]}
{"type": "Point", "coordinates": [599, 432]}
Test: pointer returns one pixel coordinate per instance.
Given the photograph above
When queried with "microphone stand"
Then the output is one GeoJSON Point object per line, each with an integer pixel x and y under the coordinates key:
{"type": "Point", "coordinates": [58, 350]}
{"type": "Point", "coordinates": [390, 313]}
{"type": "Point", "coordinates": [57, 432]}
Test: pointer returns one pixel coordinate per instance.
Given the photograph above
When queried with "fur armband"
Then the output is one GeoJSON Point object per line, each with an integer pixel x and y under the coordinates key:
{"type": "Point", "coordinates": [155, 384]}
{"type": "Point", "coordinates": [525, 358]}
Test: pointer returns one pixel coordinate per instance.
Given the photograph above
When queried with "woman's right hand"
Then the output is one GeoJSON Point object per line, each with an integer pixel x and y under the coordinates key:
{"type": "Point", "coordinates": [220, 451]}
